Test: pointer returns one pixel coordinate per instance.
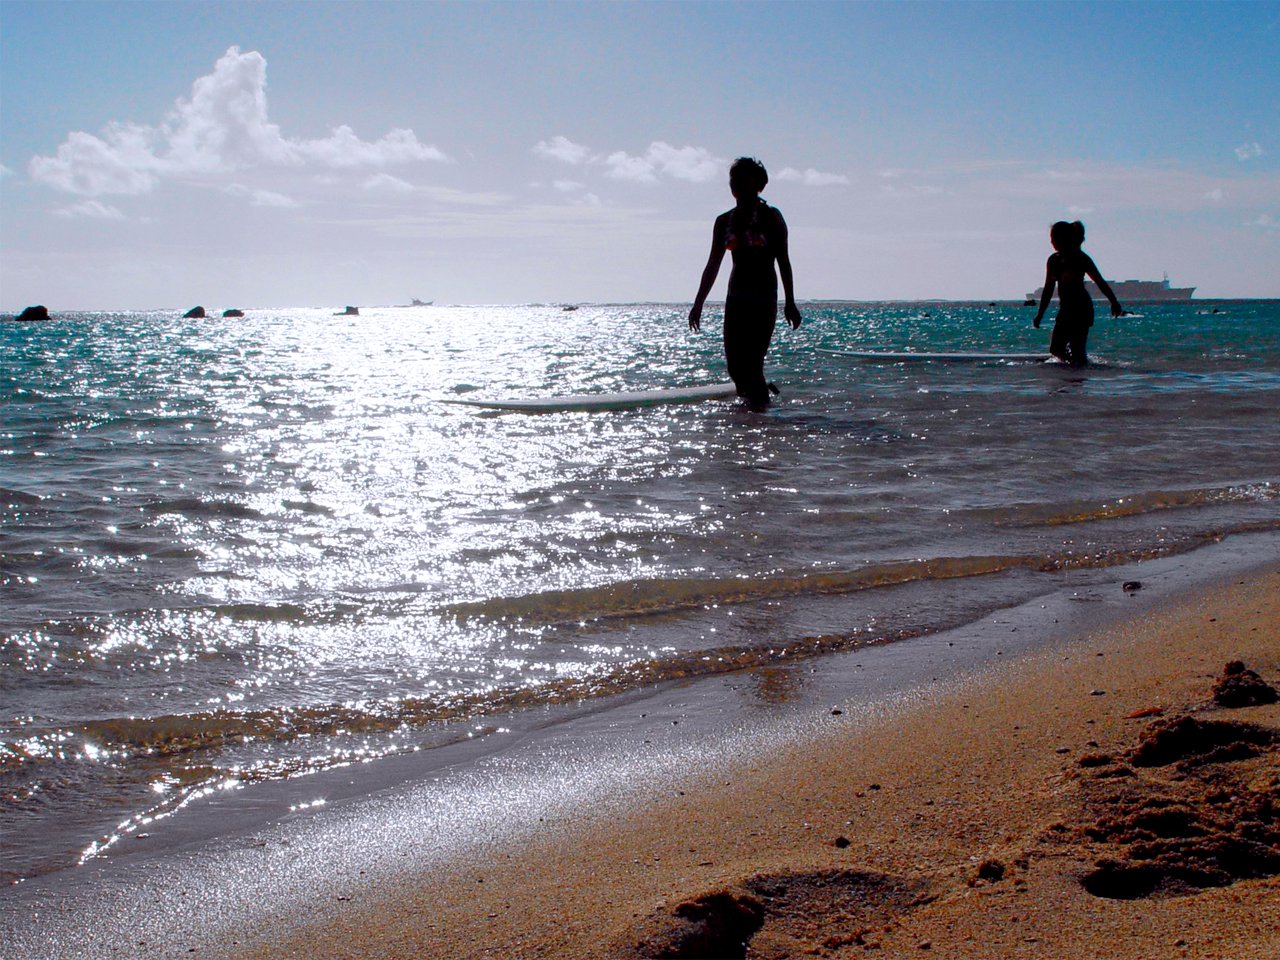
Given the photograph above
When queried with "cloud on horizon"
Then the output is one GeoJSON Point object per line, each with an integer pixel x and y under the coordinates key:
{"type": "Point", "coordinates": [223, 128]}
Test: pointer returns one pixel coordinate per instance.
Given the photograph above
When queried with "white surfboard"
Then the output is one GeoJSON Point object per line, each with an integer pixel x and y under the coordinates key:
{"type": "Point", "coordinates": [895, 357]}
{"type": "Point", "coordinates": [605, 401]}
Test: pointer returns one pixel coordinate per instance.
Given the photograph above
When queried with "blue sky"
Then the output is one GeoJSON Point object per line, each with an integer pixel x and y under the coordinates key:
{"type": "Point", "coordinates": [275, 154]}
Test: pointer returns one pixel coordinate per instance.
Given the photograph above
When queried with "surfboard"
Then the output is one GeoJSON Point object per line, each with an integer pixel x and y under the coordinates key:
{"type": "Point", "coordinates": [894, 357]}
{"type": "Point", "coordinates": [604, 401]}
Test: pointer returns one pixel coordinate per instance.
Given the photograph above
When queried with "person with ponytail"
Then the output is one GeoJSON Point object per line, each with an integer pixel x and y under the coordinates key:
{"type": "Point", "coordinates": [756, 235]}
{"type": "Point", "coordinates": [1066, 270]}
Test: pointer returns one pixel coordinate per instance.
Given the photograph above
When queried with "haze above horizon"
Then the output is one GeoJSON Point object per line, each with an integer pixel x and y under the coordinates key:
{"type": "Point", "coordinates": [265, 155]}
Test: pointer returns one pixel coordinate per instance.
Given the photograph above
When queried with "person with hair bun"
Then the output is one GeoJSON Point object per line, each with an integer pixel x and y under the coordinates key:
{"type": "Point", "coordinates": [1067, 268]}
{"type": "Point", "coordinates": [756, 235]}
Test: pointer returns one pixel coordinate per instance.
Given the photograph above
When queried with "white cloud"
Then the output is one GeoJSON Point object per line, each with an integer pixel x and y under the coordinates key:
{"type": "Point", "coordinates": [687, 163]}
{"type": "Point", "coordinates": [1249, 151]}
{"type": "Point", "coordinates": [812, 177]}
{"type": "Point", "coordinates": [5, 171]}
{"type": "Point", "coordinates": [260, 198]}
{"type": "Point", "coordinates": [1215, 194]}
{"type": "Point", "coordinates": [562, 149]}
{"type": "Point", "coordinates": [344, 149]}
{"type": "Point", "coordinates": [625, 167]}
{"type": "Point", "coordinates": [123, 162]}
{"type": "Point", "coordinates": [93, 209]}
{"type": "Point", "coordinates": [1264, 221]}
{"type": "Point", "coordinates": [222, 128]}
{"type": "Point", "coordinates": [386, 183]}
{"type": "Point", "coordinates": [695, 164]}
{"type": "Point", "coordinates": [578, 193]}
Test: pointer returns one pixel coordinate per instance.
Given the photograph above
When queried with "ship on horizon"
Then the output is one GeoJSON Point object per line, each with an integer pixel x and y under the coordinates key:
{"type": "Point", "coordinates": [1130, 290]}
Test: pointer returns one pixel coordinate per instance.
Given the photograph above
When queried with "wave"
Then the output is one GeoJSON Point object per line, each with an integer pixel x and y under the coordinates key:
{"type": "Point", "coordinates": [1134, 505]}
{"type": "Point", "coordinates": [657, 597]}
{"type": "Point", "coordinates": [197, 750]}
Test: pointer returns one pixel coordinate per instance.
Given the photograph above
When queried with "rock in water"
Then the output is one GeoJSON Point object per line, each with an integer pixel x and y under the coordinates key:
{"type": "Point", "coordinates": [195, 313]}
{"type": "Point", "coordinates": [33, 314]}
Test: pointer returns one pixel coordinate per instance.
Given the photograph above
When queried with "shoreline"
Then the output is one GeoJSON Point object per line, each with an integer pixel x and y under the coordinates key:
{"type": "Point", "coordinates": [887, 820]}
{"type": "Point", "coordinates": [912, 781]}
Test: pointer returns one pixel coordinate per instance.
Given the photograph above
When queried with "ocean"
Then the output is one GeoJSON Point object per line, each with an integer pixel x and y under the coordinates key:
{"type": "Point", "coordinates": [238, 551]}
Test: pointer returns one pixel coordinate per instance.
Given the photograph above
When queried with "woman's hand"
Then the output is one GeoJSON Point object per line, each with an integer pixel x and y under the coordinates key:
{"type": "Point", "coordinates": [695, 319]}
{"type": "Point", "coordinates": [792, 313]}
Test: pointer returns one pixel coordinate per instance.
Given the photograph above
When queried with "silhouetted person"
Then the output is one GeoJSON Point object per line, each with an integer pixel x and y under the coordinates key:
{"type": "Point", "coordinates": [756, 235]}
{"type": "Point", "coordinates": [1067, 267]}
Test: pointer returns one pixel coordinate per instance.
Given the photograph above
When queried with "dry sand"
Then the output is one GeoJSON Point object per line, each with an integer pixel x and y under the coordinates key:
{"type": "Point", "coordinates": [1093, 801]}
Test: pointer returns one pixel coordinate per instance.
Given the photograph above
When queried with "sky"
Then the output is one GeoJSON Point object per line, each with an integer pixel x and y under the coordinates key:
{"type": "Point", "coordinates": [271, 154]}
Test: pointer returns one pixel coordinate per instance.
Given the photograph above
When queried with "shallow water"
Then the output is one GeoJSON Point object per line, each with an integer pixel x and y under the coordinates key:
{"type": "Point", "coordinates": [240, 550]}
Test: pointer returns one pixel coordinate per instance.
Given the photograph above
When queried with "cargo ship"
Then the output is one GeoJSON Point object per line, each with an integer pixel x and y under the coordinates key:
{"type": "Point", "coordinates": [1130, 291]}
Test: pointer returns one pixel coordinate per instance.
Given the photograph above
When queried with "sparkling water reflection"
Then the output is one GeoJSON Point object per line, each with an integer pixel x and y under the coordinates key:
{"type": "Point", "coordinates": [241, 549]}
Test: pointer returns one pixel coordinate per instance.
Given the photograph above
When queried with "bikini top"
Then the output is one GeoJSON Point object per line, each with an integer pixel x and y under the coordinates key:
{"type": "Point", "coordinates": [753, 234]}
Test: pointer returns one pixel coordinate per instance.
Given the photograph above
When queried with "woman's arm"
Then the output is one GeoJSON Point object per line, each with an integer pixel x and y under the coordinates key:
{"type": "Point", "coordinates": [1050, 281]}
{"type": "Point", "coordinates": [1092, 272]}
{"type": "Point", "coordinates": [789, 309]}
{"type": "Point", "coordinates": [709, 272]}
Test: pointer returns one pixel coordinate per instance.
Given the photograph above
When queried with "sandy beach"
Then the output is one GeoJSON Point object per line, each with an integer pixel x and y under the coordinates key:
{"type": "Point", "coordinates": [1085, 801]}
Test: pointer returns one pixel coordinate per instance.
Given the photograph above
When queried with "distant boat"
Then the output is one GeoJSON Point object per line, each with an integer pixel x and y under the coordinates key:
{"type": "Point", "coordinates": [421, 303]}
{"type": "Point", "coordinates": [349, 312]}
{"type": "Point", "coordinates": [1130, 291]}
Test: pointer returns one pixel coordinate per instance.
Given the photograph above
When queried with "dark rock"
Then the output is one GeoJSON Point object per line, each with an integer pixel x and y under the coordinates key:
{"type": "Point", "coordinates": [233, 313]}
{"type": "Point", "coordinates": [992, 870]}
{"type": "Point", "coordinates": [349, 312]}
{"type": "Point", "coordinates": [1241, 687]}
{"type": "Point", "coordinates": [195, 313]}
{"type": "Point", "coordinates": [33, 314]}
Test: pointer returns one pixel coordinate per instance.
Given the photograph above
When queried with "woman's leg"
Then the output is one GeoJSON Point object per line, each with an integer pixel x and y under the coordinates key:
{"type": "Point", "coordinates": [1076, 346]}
{"type": "Point", "coordinates": [1059, 340]}
{"type": "Point", "coordinates": [748, 329]}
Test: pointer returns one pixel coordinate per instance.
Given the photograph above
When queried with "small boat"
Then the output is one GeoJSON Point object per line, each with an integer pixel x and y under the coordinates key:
{"type": "Point", "coordinates": [415, 302]}
{"type": "Point", "coordinates": [349, 312]}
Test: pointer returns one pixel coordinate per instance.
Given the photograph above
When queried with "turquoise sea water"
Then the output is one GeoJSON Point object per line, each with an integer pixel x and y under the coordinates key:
{"type": "Point", "coordinates": [234, 550]}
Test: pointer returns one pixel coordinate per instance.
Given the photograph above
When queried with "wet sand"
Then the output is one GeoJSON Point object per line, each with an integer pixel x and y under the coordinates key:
{"type": "Point", "coordinates": [1090, 799]}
